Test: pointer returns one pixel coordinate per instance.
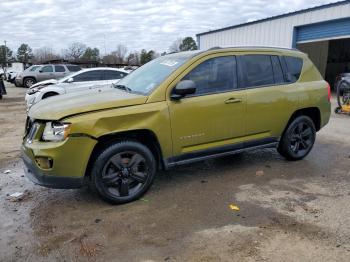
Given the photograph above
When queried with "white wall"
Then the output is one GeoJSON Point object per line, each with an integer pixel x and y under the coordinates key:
{"type": "Point", "coordinates": [277, 32]}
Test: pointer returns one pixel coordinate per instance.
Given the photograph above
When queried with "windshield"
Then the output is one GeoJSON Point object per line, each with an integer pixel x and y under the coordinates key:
{"type": "Point", "coordinates": [33, 68]}
{"type": "Point", "coordinates": [146, 78]}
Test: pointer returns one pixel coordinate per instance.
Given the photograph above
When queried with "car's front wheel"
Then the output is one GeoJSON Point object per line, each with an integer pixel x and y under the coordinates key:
{"type": "Point", "coordinates": [299, 138]}
{"type": "Point", "coordinates": [123, 172]}
{"type": "Point", "coordinates": [28, 82]}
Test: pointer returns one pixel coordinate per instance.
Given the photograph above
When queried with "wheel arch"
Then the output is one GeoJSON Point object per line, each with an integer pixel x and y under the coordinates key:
{"type": "Point", "coordinates": [144, 136]}
{"type": "Point", "coordinates": [312, 112]}
{"type": "Point", "coordinates": [26, 77]}
{"type": "Point", "coordinates": [49, 94]}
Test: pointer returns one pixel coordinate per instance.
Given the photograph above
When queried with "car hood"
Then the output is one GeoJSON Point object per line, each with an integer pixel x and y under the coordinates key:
{"type": "Point", "coordinates": [44, 83]}
{"type": "Point", "coordinates": [61, 106]}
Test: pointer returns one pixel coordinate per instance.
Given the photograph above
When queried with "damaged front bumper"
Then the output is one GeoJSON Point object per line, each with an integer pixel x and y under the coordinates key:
{"type": "Point", "coordinates": [67, 164]}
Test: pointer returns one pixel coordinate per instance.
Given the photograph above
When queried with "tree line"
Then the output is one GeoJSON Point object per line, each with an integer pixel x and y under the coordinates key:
{"type": "Point", "coordinates": [79, 52]}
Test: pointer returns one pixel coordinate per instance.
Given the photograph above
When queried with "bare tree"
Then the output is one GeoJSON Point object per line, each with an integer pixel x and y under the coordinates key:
{"type": "Point", "coordinates": [121, 53]}
{"type": "Point", "coordinates": [110, 59]}
{"type": "Point", "coordinates": [133, 58]}
{"type": "Point", "coordinates": [44, 54]}
{"type": "Point", "coordinates": [75, 50]}
{"type": "Point", "coordinates": [175, 46]}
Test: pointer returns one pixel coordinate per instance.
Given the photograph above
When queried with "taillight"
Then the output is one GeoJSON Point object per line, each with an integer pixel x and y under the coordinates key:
{"type": "Point", "coordinates": [329, 92]}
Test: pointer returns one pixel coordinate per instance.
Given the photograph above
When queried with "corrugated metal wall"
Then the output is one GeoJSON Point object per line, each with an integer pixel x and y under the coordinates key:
{"type": "Point", "coordinates": [276, 32]}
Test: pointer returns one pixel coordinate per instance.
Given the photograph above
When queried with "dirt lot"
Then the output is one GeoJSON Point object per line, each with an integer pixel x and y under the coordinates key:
{"type": "Point", "coordinates": [289, 211]}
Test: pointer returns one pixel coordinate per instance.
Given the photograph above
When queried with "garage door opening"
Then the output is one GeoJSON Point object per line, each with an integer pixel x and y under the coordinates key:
{"type": "Point", "coordinates": [331, 57]}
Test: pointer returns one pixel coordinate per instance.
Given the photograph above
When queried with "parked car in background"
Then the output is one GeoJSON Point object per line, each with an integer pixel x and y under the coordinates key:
{"type": "Point", "coordinates": [11, 75]}
{"type": "Point", "coordinates": [27, 72]}
{"type": "Point", "coordinates": [100, 77]}
{"type": "Point", "coordinates": [176, 109]}
{"type": "Point", "coordinates": [29, 77]}
{"type": "Point", "coordinates": [2, 73]}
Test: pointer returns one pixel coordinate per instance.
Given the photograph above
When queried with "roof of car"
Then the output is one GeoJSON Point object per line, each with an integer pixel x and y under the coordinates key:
{"type": "Point", "coordinates": [105, 68]}
{"type": "Point", "coordinates": [238, 49]}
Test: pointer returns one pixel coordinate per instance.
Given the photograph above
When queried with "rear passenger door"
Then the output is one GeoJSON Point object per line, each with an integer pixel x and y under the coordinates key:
{"type": "Point", "coordinates": [86, 80]}
{"type": "Point", "coordinates": [271, 100]}
{"type": "Point", "coordinates": [60, 71]}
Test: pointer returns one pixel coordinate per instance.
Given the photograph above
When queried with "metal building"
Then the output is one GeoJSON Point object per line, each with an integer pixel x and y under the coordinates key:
{"type": "Point", "coordinates": [323, 32]}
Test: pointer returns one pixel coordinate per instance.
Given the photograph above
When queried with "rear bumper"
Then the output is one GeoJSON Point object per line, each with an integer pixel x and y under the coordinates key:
{"type": "Point", "coordinates": [34, 174]}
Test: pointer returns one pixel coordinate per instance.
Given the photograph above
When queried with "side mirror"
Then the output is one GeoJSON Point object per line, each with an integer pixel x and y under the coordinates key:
{"type": "Point", "coordinates": [40, 71]}
{"type": "Point", "coordinates": [70, 80]}
{"type": "Point", "coordinates": [183, 88]}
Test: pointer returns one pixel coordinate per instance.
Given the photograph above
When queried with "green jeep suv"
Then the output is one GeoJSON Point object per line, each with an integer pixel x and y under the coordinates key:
{"type": "Point", "coordinates": [175, 110]}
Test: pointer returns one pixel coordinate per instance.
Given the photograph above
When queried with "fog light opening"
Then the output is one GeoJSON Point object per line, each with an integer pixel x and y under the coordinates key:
{"type": "Point", "coordinates": [44, 162]}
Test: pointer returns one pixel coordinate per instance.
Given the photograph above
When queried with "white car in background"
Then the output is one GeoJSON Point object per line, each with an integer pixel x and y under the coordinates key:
{"type": "Point", "coordinates": [93, 78]}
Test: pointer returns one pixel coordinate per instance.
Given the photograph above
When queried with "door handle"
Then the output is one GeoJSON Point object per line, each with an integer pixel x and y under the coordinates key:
{"type": "Point", "coordinates": [233, 100]}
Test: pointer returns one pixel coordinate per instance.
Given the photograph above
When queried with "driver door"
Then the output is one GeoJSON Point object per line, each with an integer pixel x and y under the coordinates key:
{"type": "Point", "coordinates": [213, 118]}
{"type": "Point", "coordinates": [45, 73]}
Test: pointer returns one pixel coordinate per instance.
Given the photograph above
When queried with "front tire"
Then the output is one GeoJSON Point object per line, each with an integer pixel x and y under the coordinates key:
{"type": "Point", "coordinates": [28, 82]}
{"type": "Point", "coordinates": [298, 140]}
{"type": "Point", "coordinates": [123, 172]}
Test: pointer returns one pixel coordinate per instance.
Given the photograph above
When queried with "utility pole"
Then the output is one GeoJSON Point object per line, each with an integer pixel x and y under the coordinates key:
{"type": "Point", "coordinates": [5, 54]}
{"type": "Point", "coordinates": [104, 43]}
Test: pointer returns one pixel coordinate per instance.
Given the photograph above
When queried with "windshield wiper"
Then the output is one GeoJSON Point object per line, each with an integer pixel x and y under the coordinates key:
{"type": "Point", "coordinates": [122, 87]}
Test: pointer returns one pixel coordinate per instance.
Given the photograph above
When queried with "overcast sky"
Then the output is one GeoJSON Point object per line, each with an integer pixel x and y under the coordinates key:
{"type": "Point", "coordinates": [137, 24]}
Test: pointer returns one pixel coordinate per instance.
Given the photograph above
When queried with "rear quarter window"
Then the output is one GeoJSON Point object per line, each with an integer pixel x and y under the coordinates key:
{"type": "Point", "coordinates": [293, 67]}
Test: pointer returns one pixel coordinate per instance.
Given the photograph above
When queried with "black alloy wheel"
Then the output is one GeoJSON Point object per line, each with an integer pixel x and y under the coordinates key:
{"type": "Point", "coordinates": [124, 171]}
{"type": "Point", "coordinates": [299, 138]}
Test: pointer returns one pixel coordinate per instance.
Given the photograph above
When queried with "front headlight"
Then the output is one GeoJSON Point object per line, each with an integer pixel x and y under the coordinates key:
{"type": "Point", "coordinates": [56, 131]}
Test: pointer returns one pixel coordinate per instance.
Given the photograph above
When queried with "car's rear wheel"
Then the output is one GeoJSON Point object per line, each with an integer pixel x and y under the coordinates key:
{"type": "Point", "coordinates": [123, 172]}
{"type": "Point", "coordinates": [28, 82]}
{"type": "Point", "coordinates": [299, 138]}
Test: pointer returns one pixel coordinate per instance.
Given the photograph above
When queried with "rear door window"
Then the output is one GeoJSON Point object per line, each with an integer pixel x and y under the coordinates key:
{"type": "Point", "coordinates": [257, 70]}
{"type": "Point", "coordinates": [214, 75]}
{"type": "Point", "coordinates": [293, 68]}
{"type": "Point", "coordinates": [94, 75]}
{"type": "Point", "coordinates": [59, 68]}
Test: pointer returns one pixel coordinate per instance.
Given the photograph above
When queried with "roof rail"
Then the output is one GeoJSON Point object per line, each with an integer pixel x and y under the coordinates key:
{"type": "Point", "coordinates": [257, 47]}
{"type": "Point", "coordinates": [214, 48]}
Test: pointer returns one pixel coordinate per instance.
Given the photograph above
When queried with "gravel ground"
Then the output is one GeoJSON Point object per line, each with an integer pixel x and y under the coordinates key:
{"type": "Point", "coordinates": [289, 211]}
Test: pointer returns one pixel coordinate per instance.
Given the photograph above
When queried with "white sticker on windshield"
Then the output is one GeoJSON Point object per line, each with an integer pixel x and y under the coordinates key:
{"type": "Point", "coordinates": [169, 62]}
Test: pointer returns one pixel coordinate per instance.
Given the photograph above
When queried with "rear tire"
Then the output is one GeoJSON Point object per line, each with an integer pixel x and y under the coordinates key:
{"type": "Point", "coordinates": [298, 140]}
{"type": "Point", "coordinates": [123, 172]}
